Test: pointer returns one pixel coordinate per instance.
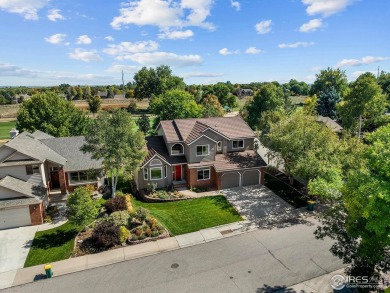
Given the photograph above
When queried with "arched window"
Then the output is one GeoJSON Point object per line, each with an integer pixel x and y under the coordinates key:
{"type": "Point", "coordinates": [177, 149]}
{"type": "Point", "coordinates": [155, 162]}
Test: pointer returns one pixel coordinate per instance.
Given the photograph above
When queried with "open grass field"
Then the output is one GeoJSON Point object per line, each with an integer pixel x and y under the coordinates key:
{"type": "Point", "coordinates": [191, 215]}
{"type": "Point", "coordinates": [5, 128]}
{"type": "Point", "coordinates": [52, 245]}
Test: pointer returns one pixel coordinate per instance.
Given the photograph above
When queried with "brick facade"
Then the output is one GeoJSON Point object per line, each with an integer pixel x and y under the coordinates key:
{"type": "Point", "coordinates": [192, 178]}
{"type": "Point", "coordinates": [62, 179]}
{"type": "Point", "coordinates": [36, 213]}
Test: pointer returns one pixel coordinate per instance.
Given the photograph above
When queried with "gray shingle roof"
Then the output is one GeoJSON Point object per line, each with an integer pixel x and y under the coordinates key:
{"type": "Point", "coordinates": [156, 145]}
{"type": "Point", "coordinates": [69, 148]}
{"type": "Point", "coordinates": [24, 188]}
{"type": "Point", "coordinates": [330, 123]}
{"type": "Point", "coordinates": [9, 203]}
{"type": "Point", "coordinates": [26, 143]}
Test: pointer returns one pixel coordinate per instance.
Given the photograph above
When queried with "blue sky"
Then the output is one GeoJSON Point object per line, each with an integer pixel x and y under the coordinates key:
{"type": "Point", "coordinates": [48, 42]}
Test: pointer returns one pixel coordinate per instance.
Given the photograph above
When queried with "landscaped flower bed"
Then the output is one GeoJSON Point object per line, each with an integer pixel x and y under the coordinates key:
{"type": "Point", "coordinates": [164, 194]}
{"type": "Point", "coordinates": [118, 225]}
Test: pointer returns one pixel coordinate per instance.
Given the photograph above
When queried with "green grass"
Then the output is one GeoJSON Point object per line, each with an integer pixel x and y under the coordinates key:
{"type": "Point", "coordinates": [387, 290]}
{"type": "Point", "coordinates": [5, 128]}
{"type": "Point", "coordinates": [52, 245]}
{"type": "Point", "coordinates": [191, 215]}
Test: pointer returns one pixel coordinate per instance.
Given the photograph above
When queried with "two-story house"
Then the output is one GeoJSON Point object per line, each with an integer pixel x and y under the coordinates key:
{"type": "Point", "coordinates": [35, 165]}
{"type": "Point", "coordinates": [217, 153]}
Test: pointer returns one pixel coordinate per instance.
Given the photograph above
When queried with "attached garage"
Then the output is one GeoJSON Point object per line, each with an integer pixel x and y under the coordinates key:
{"type": "Point", "coordinates": [230, 180]}
{"type": "Point", "coordinates": [250, 177]}
{"type": "Point", "coordinates": [15, 217]}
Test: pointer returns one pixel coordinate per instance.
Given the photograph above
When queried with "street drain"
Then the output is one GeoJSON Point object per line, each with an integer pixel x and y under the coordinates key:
{"type": "Point", "coordinates": [249, 272]}
{"type": "Point", "coordinates": [226, 232]}
{"type": "Point", "coordinates": [174, 265]}
{"type": "Point", "coordinates": [231, 278]}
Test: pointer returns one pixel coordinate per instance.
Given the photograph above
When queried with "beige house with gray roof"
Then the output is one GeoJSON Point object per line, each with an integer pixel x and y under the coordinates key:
{"type": "Point", "coordinates": [216, 153]}
{"type": "Point", "coordinates": [35, 165]}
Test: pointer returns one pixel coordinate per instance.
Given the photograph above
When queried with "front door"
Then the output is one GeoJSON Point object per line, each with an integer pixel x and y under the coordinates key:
{"type": "Point", "coordinates": [55, 180]}
{"type": "Point", "coordinates": [177, 173]}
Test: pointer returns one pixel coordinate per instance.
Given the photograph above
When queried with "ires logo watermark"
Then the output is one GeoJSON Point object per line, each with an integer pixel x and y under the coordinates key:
{"type": "Point", "coordinates": [339, 282]}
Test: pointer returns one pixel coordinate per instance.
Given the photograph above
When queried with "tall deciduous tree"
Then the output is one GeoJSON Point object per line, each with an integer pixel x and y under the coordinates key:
{"type": "Point", "coordinates": [328, 78]}
{"type": "Point", "coordinates": [52, 114]}
{"type": "Point", "coordinates": [81, 208]}
{"type": "Point", "coordinates": [365, 99]}
{"type": "Point", "coordinates": [143, 123]}
{"type": "Point", "coordinates": [212, 107]}
{"type": "Point", "coordinates": [114, 139]}
{"type": "Point", "coordinates": [175, 104]}
{"type": "Point", "coordinates": [361, 223]}
{"type": "Point", "coordinates": [269, 97]}
{"type": "Point", "coordinates": [154, 82]}
{"type": "Point", "coordinates": [94, 104]}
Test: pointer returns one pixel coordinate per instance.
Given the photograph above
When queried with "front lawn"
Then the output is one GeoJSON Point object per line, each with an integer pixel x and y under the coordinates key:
{"type": "Point", "coordinates": [5, 128]}
{"type": "Point", "coordinates": [191, 215]}
{"type": "Point", "coordinates": [52, 245]}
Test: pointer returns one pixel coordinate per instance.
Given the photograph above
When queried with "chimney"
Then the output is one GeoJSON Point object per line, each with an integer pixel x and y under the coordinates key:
{"type": "Point", "coordinates": [13, 133]}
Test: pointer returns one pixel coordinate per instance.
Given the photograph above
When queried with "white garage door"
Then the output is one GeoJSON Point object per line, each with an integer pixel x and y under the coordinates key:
{"type": "Point", "coordinates": [251, 177]}
{"type": "Point", "coordinates": [15, 217]}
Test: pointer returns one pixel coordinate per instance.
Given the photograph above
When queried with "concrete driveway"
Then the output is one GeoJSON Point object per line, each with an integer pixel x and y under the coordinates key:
{"type": "Point", "coordinates": [14, 247]}
{"type": "Point", "coordinates": [260, 206]}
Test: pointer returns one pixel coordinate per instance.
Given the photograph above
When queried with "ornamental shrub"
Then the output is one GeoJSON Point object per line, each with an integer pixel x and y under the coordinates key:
{"type": "Point", "coordinates": [115, 204]}
{"type": "Point", "coordinates": [124, 234]}
{"type": "Point", "coordinates": [141, 214]}
{"type": "Point", "coordinates": [105, 235]}
{"type": "Point", "coordinates": [119, 218]}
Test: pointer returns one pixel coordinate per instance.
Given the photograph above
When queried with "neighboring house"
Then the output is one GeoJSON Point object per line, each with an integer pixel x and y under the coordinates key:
{"type": "Point", "coordinates": [35, 165]}
{"type": "Point", "coordinates": [330, 123]}
{"type": "Point", "coordinates": [208, 152]}
{"type": "Point", "coordinates": [243, 92]}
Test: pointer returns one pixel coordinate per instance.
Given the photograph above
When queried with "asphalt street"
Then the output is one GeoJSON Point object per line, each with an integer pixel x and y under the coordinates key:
{"type": "Point", "coordinates": [258, 261]}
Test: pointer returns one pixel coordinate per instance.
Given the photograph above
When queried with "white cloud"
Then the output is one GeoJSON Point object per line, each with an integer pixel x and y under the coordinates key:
{"type": "Point", "coordinates": [9, 70]}
{"type": "Point", "coordinates": [56, 39]}
{"type": "Point", "coordinates": [159, 58]}
{"type": "Point", "coordinates": [316, 68]}
{"type": "Point", "coordinates": [85, 55]}
{"type": "Point", "coordinates": [252, 50]}
{"type": "Point", "coordinates": [27, 8]}
{"type": "Point", "coordinates": [263, 27]}
{"type": "Point", "coordinates": [123, 49]}
{"type": "Point", "coordinates": [83, 40]}
{"type": "Point", "coordinates": [310, 78]}
{"type": "Point", "coordinates": [225, 52]}
{"type": "Point", "coordinates": [54, 15]}
{"type": "Point", "coordinates": [326, 7]}
{"type": "Point", "coordinates": [125, 68]}
{"type": "Point", "coordinates": [109, 38]}
{"type": "Point", "coordinates": [311, 26]}
{"type": "Point", "coordinates": [358, 62]}
{"type": "Point", "coordinates": [201, 74]}
{"type": "Point", "coordinates": [164, 14]}
{"type": "Point", "coordinates": [176, 35]}
{"type": "Point", "coordinates": [295, 45]}
{"type": "Point", "coordinates": [236, 5]}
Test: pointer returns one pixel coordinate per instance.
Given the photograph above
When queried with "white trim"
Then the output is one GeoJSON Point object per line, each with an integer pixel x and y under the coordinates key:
{"type": "Point", "coordinates": [204, 168]}
{"type": "Point", "coordinates": [243, 144]}
{"type": "Point", "coordinates": [203, 135]}
{"type": "Point", "coordinates": [152, 159]}
{"type": "Point", "coordinates": [239, 182]}
{"type": "Point", "coordinates": [180, 154]}
{"type": "Point", "coordinates": [150, 173]}
{"type": "Point", "coordinates": [158, 164]}
{"type": "Point", "coordinates": [202, 145]}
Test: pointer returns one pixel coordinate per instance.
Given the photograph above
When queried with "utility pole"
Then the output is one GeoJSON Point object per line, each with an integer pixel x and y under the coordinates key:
{"type": "Point", "coordinates": [360, 126]}
{"type": "Point", "coordinates": [377, 76]}
{"type": "Point", "coordinates": [123, 86]}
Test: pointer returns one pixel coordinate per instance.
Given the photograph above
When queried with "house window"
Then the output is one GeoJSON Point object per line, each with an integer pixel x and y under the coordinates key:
{"type": "Point", "coordinates": [32, 169]}
{"type": "Point", "coordinates": [156, 173]}
{"type": "Point", "coordinates": [219, 146]}
{"type": "Point", "coordinates": [165, 171]}
{"type": "Point", "coordinates": [204, 174]}
{"type": "Point", "coordinates": [177, 149]}
{"type": "Point", "coordinates": [145, 174]}
{"type": "Point", "coordinates": [238, 144]}
{"type": "Point", "coordinates": [155, 162]}
{"type": "Point", "coordinates": [202, 150]}
{"type": "Point", "coordinates": [82, 177]}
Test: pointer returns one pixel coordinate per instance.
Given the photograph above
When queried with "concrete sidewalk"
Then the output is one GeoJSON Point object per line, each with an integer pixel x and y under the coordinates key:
{"type": "Point", "coordinates": [31, 274]}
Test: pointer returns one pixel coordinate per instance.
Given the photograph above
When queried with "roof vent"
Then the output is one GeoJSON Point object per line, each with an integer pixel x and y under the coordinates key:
{"type": "Point", "coordinates": [13, 133]}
